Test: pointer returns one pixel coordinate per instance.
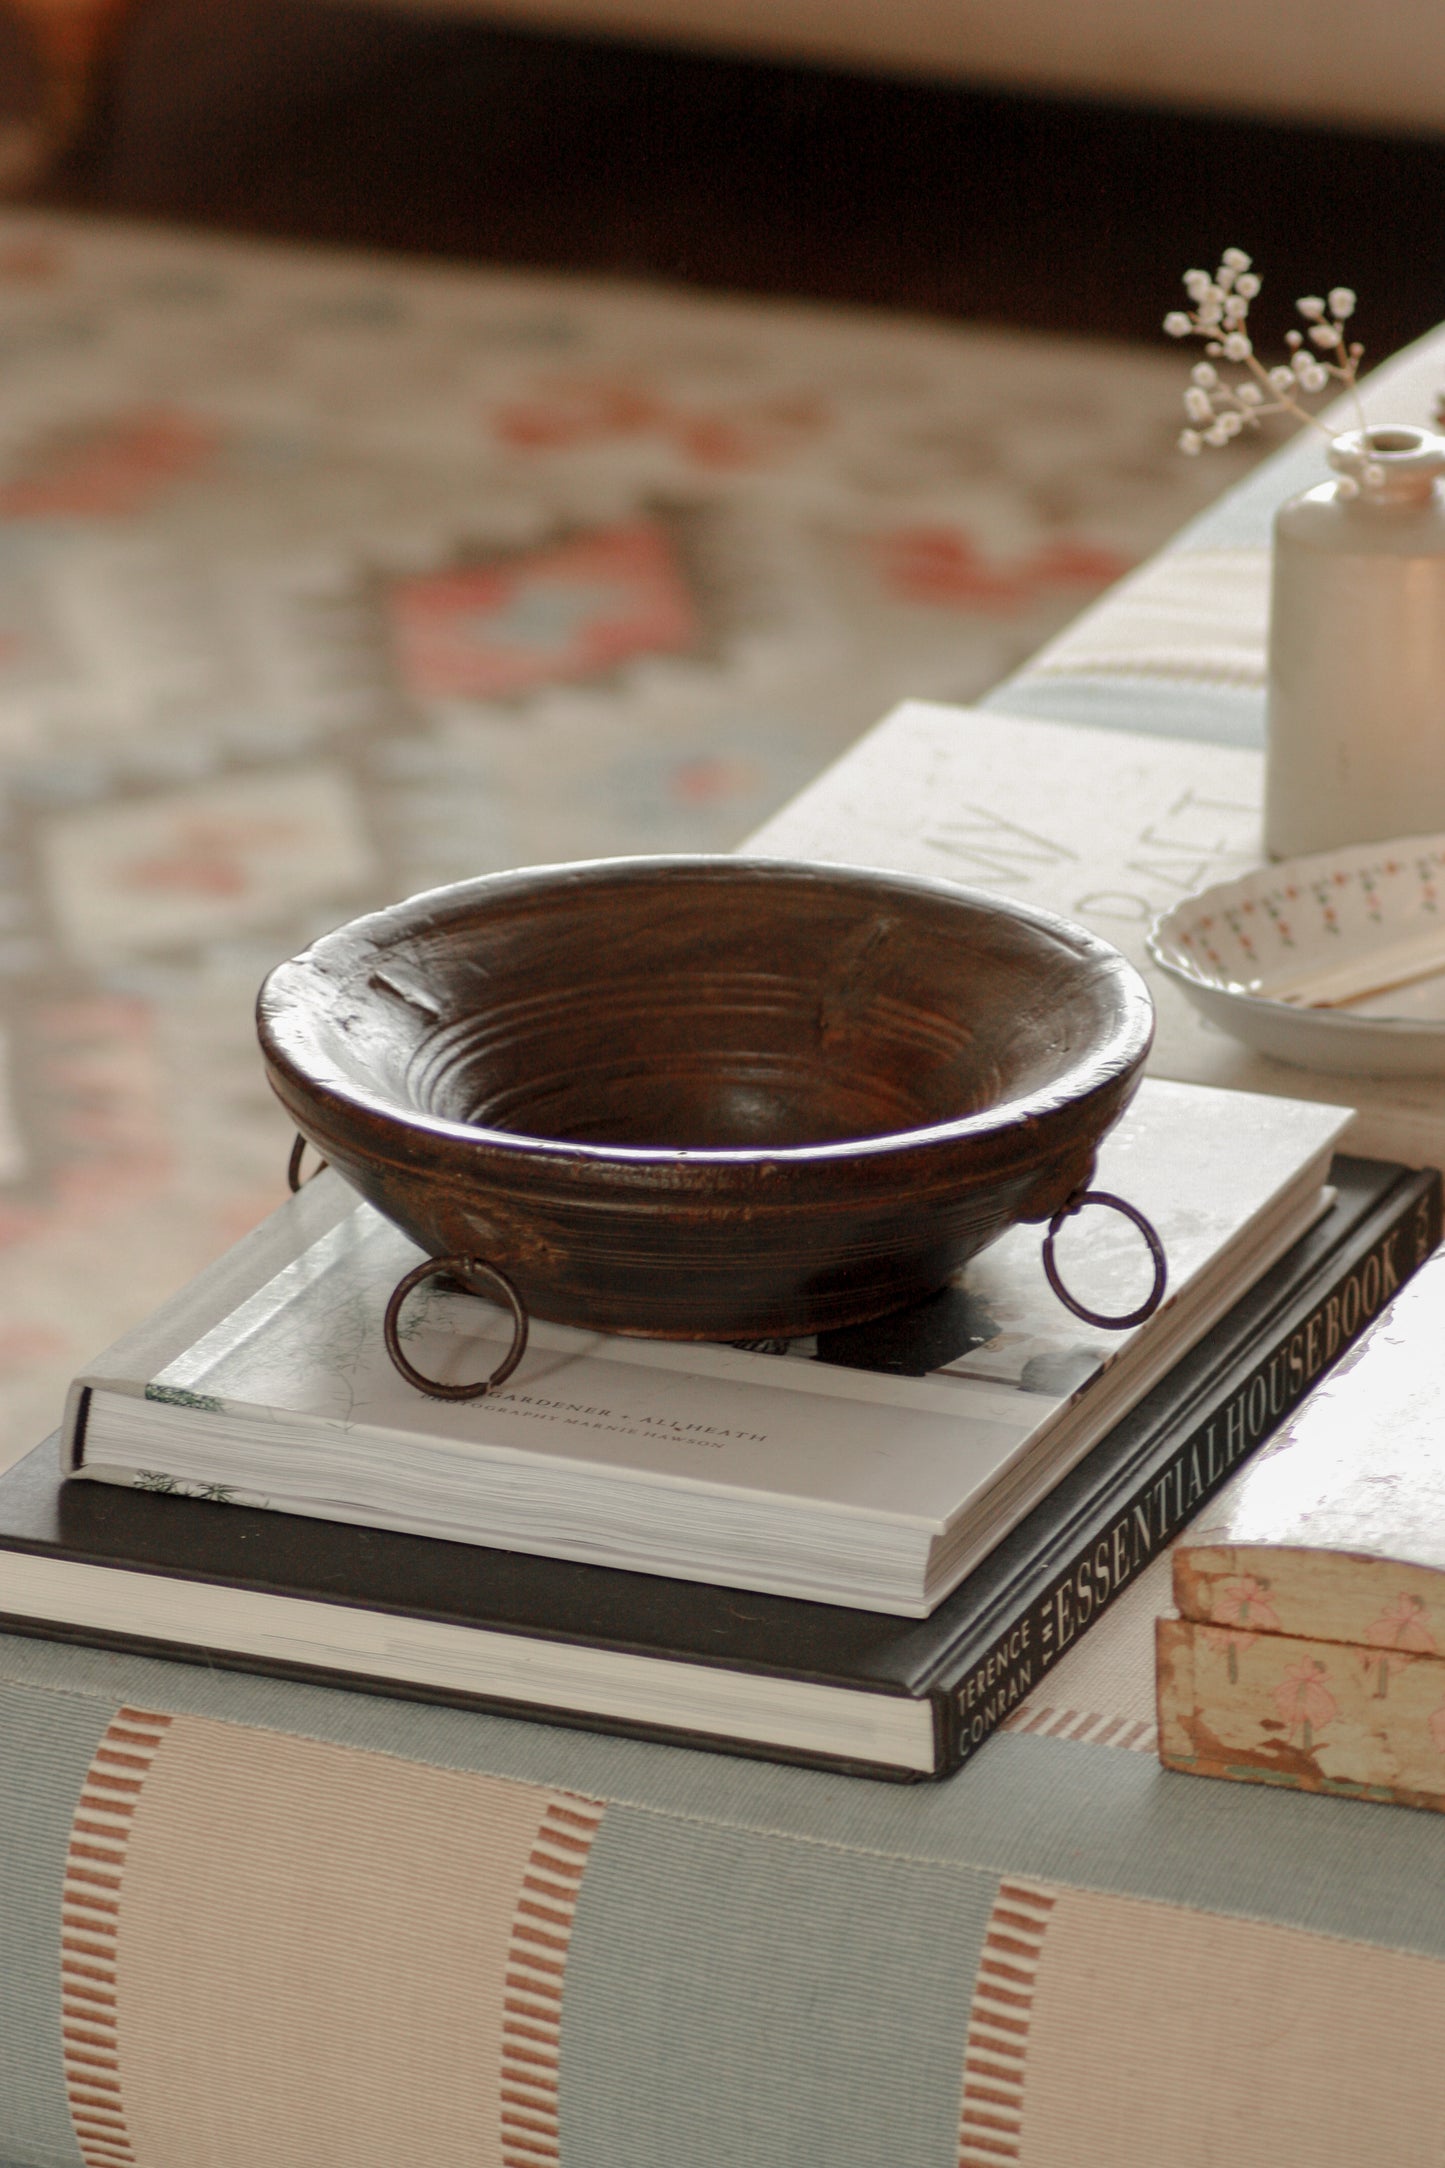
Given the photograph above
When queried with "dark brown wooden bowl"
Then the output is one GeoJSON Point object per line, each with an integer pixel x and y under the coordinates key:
{"type": "Point", "coordinates": [708, 1098]}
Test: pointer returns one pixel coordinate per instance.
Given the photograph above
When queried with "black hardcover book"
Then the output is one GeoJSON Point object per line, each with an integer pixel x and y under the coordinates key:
{"type": "Point", "coordinates": [860, 1691]}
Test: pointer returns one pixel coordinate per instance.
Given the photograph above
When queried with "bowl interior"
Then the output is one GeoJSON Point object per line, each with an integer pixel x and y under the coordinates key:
{"type": "Point", "coordinates": [711, 1004]}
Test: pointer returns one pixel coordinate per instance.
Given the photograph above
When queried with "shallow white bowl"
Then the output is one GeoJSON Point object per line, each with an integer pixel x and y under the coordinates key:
{"type": "Point", "coordinates": [1236, 948]}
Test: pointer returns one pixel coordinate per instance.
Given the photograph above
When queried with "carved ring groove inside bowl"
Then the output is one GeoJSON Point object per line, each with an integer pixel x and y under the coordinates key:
{"type": "Point", "coordinates": [708, 1097]}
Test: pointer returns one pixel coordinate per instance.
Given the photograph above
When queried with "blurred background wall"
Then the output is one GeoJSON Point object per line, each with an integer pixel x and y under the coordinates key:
{"type": "Point", "coordinates": [1038, 163]}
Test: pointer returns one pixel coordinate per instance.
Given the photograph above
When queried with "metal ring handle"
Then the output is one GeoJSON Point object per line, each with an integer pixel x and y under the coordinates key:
{"type": "Point", "coordinates": [464, 1269]}
{"type": "Point", "coordinates": [1155, 1296]}
{"type": "Point", "coordinates": [293, 1164]}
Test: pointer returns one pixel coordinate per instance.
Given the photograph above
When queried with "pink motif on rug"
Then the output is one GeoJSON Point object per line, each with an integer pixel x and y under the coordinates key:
{"type": "Point", "coordinates": [945, 567]}
{"type": "Point", "coordinates": [567, 414]}
{"type": "Point", "coordinates": [557, 614]}
{"type": "Point", "coordinates": [142, 873]}
{"type": "Point", "coordinates": [211, 857]}
{"type": "Point", "coordinates": [709, 780]}
{"type": "Point", "coordinates": [575, 611]}
{"type": "Point", "coordinates": [104, 1123]}
{"type": "Point", "coordinates": [113, 472]}
{"type": "Point", "coordinates": [383, 1946]}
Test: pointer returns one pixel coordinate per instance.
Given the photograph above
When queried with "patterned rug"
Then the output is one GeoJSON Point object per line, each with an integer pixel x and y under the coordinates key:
{"type": "Point", "coordinates": [325, 579]}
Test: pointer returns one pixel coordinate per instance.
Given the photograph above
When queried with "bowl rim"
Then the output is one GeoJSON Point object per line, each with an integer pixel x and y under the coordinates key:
{"type": "Point", "coordinates": [1331, 1023]}
{"type": "Point", "coordinates": [279, 1005]}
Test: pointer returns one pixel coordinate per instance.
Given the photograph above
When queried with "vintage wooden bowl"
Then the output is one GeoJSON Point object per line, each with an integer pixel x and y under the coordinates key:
{"type": "Point", "coordinates": [708, 1098]}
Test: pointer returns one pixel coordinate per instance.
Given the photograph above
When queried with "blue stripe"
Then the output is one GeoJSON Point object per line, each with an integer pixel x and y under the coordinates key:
{"type": "Point", "coordinates": [47, 1741]}
{"type": "Point", "coordinates": [736, 1997]}
{"type": "Point", "coordinates": [1160, 707]}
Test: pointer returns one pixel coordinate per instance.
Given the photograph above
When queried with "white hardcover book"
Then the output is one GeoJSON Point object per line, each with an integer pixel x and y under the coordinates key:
{"type": "Point", "coordinates": [1106, 827]}
{"type": "Point", "coordinates": [821, 1470]}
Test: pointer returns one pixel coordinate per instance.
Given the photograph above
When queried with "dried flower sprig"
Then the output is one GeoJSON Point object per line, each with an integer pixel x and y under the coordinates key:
{"type": "Point", "coordinates": [1320, 357]}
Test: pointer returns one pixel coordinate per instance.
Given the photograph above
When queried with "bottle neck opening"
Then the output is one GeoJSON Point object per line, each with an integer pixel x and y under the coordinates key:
{"type": "Point", "coordinates": [1390, 465]}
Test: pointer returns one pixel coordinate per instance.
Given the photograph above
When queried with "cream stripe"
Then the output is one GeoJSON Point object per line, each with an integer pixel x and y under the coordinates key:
{"type": "Point", "coordinates": [1350, 2043]}
{"type": "Point", "coordinates": [1003, 2096]}
{"type": "Point", "coordinates": [563, 1880]}
{"type": "Point", "coordinates": [292, 1861]}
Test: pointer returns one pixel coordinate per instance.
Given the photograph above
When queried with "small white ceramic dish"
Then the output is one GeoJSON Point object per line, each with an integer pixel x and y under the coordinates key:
{"type": "Point", "coordinates": [1252, 953]}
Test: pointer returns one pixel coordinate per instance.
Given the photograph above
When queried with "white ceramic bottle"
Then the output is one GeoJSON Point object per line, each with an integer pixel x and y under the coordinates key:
{"type": "Point", "coordinates": [1356, 728]}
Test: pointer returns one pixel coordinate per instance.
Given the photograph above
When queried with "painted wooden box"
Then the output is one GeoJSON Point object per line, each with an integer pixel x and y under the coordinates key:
{"type": "Point", "coordinates": [1309, 1645]}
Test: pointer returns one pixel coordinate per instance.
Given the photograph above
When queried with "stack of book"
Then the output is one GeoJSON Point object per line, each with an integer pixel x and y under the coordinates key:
{"type": "Point", "coordinates": [860, 1551]}
{"type": "Point", "coordinates": [1309, 1645]}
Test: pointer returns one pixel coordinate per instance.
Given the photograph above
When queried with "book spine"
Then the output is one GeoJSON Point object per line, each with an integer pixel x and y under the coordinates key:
{"type": "Point", "coordinates": [1248, 1410]}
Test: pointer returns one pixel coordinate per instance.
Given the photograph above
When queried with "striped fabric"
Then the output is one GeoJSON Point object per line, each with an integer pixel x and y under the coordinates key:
{"type": "Point", "coordinates": [1135, 1733]}
{"type": "Point", "coordinates": [89, 1926]}
{"type": "Point", "coordinates": [293, 1928]}
{"type": "Point", "coordinates": [227, 1895]}
{"type": "Point", "coordinates": [995, 2066]}
{"type": "Point", "coordinates": [536, 1970]}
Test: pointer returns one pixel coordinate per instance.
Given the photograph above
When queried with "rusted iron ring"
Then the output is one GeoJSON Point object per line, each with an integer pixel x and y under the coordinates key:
{"type": "Point", "coordinates": [465, 1269]}
{"type": "Point", "coordinates": [1155, 1296]}
{"type": "Point", "coordinates": [293, 1165]}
